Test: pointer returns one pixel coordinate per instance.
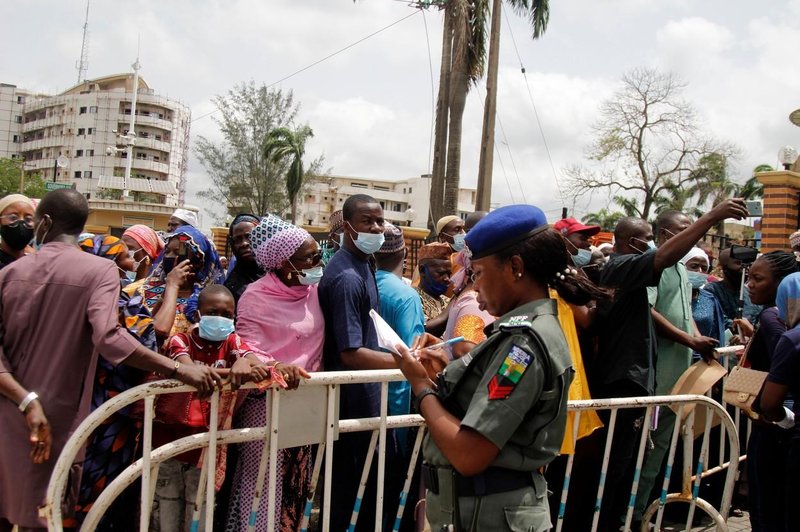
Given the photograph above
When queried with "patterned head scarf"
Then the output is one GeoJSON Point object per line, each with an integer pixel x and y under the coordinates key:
{"type": "Point", "coordinates": [209, 272]}
{"type": "Point", "coordinates": [252, 218]}
{"type": "Point", "coordinates": [794, 239]}
{"type": "Point", "coordinates": [788, 300]}
{"type": "Point", "coordinates": [147, 238]}
{"type": "Point", "coordinates": [275, 240]}
{"type": "Point", "coordinates": [106, 246]}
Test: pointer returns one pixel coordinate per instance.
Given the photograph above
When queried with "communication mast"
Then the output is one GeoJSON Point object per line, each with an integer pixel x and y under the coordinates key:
{"type": "Point", "coordinates": [82, 66]}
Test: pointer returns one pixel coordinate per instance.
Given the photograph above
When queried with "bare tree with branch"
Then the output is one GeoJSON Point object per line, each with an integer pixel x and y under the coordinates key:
{"type": "Point", "coordinates": [648, 143]}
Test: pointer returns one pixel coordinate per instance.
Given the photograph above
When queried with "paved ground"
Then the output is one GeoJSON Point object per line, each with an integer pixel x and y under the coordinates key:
{"type": "Point", "coordinates": [735, 524]}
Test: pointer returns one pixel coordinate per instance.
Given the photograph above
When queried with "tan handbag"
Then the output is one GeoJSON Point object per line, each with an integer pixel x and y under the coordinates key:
{"type": "Point", "coordinates": [743, 385]}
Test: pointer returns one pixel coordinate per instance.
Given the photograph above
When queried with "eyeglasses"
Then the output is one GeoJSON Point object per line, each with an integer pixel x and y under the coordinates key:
{"type": "Point", "coordinates": [14, 218]}
{"type": "Point", "coordinates": [309, 259]}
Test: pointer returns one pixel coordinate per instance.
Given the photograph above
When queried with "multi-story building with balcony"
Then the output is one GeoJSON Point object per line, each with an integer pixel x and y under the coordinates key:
{"type": "Point", "coordinates": [86, 126]}
{"type": "Point", "coordinates": [405, 202]}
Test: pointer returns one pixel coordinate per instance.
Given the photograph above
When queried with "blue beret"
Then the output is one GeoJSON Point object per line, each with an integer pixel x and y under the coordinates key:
{"type": "Point", "coordinates": [505, 227]}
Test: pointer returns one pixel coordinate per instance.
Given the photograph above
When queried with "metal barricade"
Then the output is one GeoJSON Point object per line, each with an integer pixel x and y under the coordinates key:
{"type": "Point", "coordinates": [318, 397]}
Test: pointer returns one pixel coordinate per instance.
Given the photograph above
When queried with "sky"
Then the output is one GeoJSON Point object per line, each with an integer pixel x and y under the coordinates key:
{"type": "Point", "coordinates": [371, 105]}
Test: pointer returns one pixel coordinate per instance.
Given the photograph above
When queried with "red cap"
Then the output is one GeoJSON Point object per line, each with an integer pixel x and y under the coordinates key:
{"type": "Point", "coordinates": [567, 226]}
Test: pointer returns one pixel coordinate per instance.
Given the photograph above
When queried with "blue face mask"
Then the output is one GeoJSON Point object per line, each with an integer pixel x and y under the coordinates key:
{"type": "Point", "coordinates": [216, 328]}
{"type": "Point", "coordinates": [458, 241]}
{"type": "Point", "coordinates": [368, 243]}
{"type": "Point", "coordinates": [434, 288]}
{"type": "Point", "coordinates": [583, 258]}
{"type": "Point", "coordinates": [697, 280]}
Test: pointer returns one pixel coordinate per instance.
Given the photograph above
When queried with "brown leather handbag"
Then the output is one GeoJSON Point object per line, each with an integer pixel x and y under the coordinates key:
{"type": "Point", "coordinates": [743, 385]}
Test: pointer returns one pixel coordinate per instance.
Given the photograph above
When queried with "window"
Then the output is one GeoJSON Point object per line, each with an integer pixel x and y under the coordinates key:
{"type": "Point", "coordinates": [141, 156]}
{"type": "Point", "coordinates": [16, 139]}
{"type": "Point", "coordinates": [78, 153]}
{"type": "Point", "coordinates": [82, 111]}
{"type": "Point", "coordinates": [90, 131]}
{"type": "Point", "coordinates": [359, 185]}
{"type": "Point", "coordinates": [87, 174]}
{"type": "Point", "coordinates": [93, 109]}
{"type": "Point", "coordinates": [144, 134]}
{"type": "Point", "coordinates": [78, 174]}
{"type": "Point", "coordinates": [381, 187]}
{"type": "Point", "coordinates": [383, 204]}
{"type": "Point", "coordinates": [81, 131]}
{"type": "Point", "coordinates": [18, 119]}
{"type": "Point", "coordinates": [20, 99]}
{"type": "Point", "coordinates": [396, 207]}
{"type": "Point", "coordinates": [90, 153]}
{"type": "Point", "coordinates": [158, 137]}
{"type": "Point", "coordinates": [409, 190]}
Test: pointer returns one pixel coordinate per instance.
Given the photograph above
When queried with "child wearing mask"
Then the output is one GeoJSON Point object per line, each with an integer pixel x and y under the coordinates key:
{"type": "Point", "coordinates": [212, 342]}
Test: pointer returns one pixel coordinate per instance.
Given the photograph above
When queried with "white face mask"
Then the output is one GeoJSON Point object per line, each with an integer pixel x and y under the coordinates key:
{"type": "Point", "coordinates": [367, 243]}
{"type": "Point", "coordinates": [310, 276]}
{"type": "Point", "coordinates": [458, 241]}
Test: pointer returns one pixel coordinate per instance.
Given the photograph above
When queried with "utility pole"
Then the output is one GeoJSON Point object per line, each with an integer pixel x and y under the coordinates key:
{"type": "Point", "coordinates": [485, 166]}
{"type": "Point", "coordinates": [131, 136]}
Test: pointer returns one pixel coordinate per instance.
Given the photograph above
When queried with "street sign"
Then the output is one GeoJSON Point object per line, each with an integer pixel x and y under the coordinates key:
{"type": "Point", "coordinates": [50, 185]}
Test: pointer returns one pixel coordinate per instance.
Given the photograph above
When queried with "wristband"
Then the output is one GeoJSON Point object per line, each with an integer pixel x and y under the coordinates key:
{"type": "Point", "coordinates": [27, 400]}
{"type": "Point", "coordinates": [788, 420]}
{"type": "Point", "coordinates": [425, 392]}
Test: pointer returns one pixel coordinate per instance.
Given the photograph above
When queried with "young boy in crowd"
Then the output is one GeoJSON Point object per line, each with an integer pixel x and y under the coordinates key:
{"type": "Point", "coordinates": [213, 342]}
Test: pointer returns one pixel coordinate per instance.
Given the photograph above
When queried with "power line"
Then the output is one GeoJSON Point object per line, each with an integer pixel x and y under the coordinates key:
{"type": "Point", "coordinates": [329, 56]}
{"type": "Point", "coordinates": [535, 111]}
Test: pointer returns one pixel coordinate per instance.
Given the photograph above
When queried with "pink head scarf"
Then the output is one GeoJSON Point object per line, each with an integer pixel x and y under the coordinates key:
{"type": "Point", "coordinates": [275, 240]}
{"type": "Point", "coordinates": [147, 238]}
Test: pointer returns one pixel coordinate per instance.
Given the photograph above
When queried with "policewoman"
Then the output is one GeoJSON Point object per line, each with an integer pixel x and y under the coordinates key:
{"type": "Point", "coordinates": [497, 416]}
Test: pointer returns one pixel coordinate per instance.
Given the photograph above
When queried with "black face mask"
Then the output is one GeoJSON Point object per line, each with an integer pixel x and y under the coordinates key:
{"type": "Point", "coordinates": [16, 235]}
{"type": "Point", "coordinates": [167, 263]}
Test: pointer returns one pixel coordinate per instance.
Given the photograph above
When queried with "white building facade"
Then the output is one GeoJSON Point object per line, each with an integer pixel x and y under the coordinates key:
{"type": "Point", "coordinates": [81, 124]}
{"type": "Point", "coordinates": [405, 202]}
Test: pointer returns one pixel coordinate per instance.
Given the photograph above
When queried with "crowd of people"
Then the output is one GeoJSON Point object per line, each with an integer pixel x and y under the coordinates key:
{"type": "Point", "coordinates": [533, 314]}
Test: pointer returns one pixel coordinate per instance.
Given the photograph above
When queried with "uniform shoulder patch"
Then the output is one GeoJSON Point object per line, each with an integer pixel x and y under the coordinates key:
{"type": "Point", "coordinates": [510, 372]}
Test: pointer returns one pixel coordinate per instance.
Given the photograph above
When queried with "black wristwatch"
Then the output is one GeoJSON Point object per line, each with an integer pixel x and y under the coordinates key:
{"type": "Point", "coordinates": [425, 392]}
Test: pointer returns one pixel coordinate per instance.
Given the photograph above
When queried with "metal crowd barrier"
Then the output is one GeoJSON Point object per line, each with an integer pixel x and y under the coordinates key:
{"type": "Point", "coordinates": [309, 415]}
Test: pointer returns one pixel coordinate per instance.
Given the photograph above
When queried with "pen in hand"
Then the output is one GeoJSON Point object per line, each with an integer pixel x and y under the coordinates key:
{"type": "Point", "coordinates": [440, 344]}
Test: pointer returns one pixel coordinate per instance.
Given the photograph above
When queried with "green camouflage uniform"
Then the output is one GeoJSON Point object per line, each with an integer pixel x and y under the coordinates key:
{"type": "Point", "coordinates": [512, 389]}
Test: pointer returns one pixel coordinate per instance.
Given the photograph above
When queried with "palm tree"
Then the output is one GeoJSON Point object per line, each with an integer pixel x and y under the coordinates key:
{"type": "Point", "coordinates": [752, 188]}
{"type": "Point", "coordinates": [282, 143]}
{"type": "Point", "coordinates": [463, 58]}
{"type": "Point", "coordinates": [606, 219]}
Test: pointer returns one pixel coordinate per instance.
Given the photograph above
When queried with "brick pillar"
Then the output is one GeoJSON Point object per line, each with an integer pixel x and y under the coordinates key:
{"type": "Point", "coordinates": [780, 219]}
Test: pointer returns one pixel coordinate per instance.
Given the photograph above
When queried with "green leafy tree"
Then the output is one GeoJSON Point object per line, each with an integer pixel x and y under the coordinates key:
{"type": "Point", "coordinates": [282, 145]}
{"type": "Point", "coordinates": [243, 178]}
{"type": "Point", "coordinates": [11, 172]}
{"type": "Point", "coordinates": [752, 189]}
{"type": "Point", "coordinates": [607, 220]}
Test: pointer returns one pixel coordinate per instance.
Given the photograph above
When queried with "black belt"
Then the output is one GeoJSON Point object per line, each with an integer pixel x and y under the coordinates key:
{"type": "Point", "coordinates": [493, 480]}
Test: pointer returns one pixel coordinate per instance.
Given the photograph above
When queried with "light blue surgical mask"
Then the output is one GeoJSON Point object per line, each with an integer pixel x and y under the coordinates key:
{"type": "Point", "coordinates": [129, 276]}
{"type": "Point", "coordinates": [368, 243]}
{"type": "Point", "coordinates": [216, 328]}
{"type": "Point", "coordinates": [650, 244]}
{"type": "Point", "coordinates": [458, 241]}
{"type": "Point", "coordinates": [697, 280]}
{"type": "Point", "coordinates": [309, 276]}
{"type": "Point", "coordinates": [583, 258]}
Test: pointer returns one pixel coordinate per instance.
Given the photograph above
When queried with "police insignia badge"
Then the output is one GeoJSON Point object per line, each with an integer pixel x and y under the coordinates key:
{"type": "Point", "coordinates": [509, 374]}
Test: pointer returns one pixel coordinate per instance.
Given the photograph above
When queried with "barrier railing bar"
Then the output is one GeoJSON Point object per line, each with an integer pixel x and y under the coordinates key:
{"type": "Point", "coordinates": [211, 468]}
{"type": "Point", "coordinates": [274, 427]}
{"type": "Point", "coordinates": [326, 494]}
{"type": "Point", "coordinates": [604, 469]}
{"type": "Point", "coordinates": [637, 472]}
{"type": "Point", "coordinates": [409, 476]}
{"type": "Point", "coordinates": [262, 468]}
{"type": "Point", "coordinates": [673, 447]}
{"type": "Point", "coordinates": [568, 472]}
{"type": "Point", "coordinates": [147, 446]}
{"type": "Point", "coordinates": [313, 487]}
{"type": "Point", "coordinates": [700, 468]}
{"type": "Point", "coordinates": [381, 457]}
{"type": "Point", "coordinates": [364, 477]}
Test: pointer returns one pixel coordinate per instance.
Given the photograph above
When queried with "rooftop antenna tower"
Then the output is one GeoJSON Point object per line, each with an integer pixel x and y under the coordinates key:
{"type": "Point", "coordinates": [82, 65]}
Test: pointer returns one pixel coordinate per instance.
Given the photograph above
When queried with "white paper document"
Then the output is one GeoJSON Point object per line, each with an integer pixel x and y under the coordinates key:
{"type": "Point", "coordinates": [387, 338]}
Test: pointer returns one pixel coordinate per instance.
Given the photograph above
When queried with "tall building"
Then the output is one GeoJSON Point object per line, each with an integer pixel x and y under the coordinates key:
{"type": "Point", "coordinates": [405, 202]}
{"type": "Point", "coordinates": [77, 138]}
